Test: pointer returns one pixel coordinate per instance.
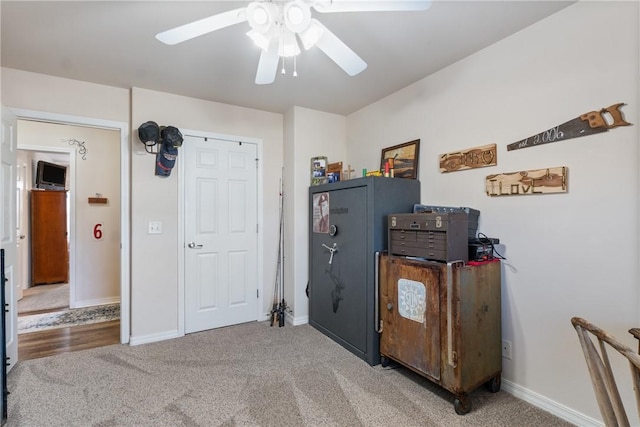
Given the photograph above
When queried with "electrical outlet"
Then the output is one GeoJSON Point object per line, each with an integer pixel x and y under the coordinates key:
{"type": "Point", "coordinates": [506, 349]}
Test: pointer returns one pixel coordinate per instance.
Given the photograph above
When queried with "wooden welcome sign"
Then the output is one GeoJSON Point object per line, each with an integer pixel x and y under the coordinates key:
{"type": "Point", "coordinates": [539, 181]}
{"type": "Point", "coordinates": [472, 158]}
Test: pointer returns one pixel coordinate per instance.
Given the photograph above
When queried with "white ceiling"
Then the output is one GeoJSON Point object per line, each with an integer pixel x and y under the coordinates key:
{"type": "Point", "coordinates": [113, 43]}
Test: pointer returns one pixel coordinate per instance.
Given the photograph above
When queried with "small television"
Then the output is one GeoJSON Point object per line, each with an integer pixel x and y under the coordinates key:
{"type": "Point", "coordinates": [50, 176]}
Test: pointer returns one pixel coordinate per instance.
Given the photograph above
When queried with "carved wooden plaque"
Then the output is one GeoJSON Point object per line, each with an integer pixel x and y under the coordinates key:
{"type": "Point", "coordinates": [539, 181]}
{"type": "Point", "coordinates": [472, 158]}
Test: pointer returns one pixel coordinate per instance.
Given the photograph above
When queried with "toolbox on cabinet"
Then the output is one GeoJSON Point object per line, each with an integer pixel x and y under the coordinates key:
{"type": "Point", "coordinates": [472, 215]}
{"type": "Point", "coordinates": [433, 236]}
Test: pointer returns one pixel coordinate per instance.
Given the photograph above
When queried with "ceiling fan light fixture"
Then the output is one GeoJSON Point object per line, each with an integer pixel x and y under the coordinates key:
{"type": "Point", "coordinates": [288, 45]}
{"type": "Point", "coordinates": [262, 15]}
{"type": "Point", "coordinates": [276, 26]}
{"type": "Point", "coordinates": [261, 40]}
{"type": "Point", "coordinates": [297, 15]}
{"type": "Point", "coordinates": [312, 34]}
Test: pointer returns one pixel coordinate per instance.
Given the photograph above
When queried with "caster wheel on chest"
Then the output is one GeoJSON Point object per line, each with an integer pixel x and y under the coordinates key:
{"type": "Point", "coordinates": [462, 405]}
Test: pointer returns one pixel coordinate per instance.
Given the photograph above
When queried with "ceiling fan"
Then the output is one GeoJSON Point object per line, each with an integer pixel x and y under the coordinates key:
{"type": "Point", "coordinates": [276, 27]}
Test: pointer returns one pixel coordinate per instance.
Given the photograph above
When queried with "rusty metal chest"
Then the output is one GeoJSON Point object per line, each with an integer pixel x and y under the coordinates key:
{"type": "Point", "coordinates": [443, 321]}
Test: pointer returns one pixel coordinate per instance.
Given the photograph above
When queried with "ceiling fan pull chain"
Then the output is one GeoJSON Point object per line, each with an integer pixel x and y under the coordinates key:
{"type": "Point", "coordinates": [295, 69]}
{"type": "Point", "coordinates": [281, 48]}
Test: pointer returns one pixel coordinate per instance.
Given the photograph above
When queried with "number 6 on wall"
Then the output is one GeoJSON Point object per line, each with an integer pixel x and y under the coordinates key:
{"type": "Point", "coordinates": [97, 231]}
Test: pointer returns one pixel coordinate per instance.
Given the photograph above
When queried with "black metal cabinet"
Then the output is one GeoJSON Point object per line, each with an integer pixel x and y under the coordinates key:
{"type": "Point", "coordinates": [347, 226]}
{"type": "Point", "coordinates": [3, 346]}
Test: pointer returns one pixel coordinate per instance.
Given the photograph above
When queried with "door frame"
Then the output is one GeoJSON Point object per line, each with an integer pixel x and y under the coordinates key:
{"type": "Point", "coordinates": [71, 152]}
{"type": "Point", "coordinates": [125, 223]}
{"type": "Point", "coordinates": [181, 218]}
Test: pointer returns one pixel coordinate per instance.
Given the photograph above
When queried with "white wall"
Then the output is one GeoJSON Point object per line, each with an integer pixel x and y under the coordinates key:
{"type": "Point", "coordinates": [39, 92]}
{"type": "Point", "coordinates": [97, 262]}
{"type": "Point", "coordinates": [573, 254]}
{"type": "Point", "coordinates": [308, 133]}
{"type": "Point", "coordinates": [154, 258]}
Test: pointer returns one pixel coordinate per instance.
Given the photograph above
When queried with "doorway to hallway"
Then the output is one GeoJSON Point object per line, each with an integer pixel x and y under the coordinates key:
{"type": "Point", "coordinates": [93, 159]}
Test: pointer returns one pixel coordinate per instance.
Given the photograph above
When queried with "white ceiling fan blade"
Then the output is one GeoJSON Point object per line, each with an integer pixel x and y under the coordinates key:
{"type": "Point", "coordinates": [370, 5]}
{"type": "Point", "coordinates": [340, 53]}
{"type": "Point", "coordinates": [268, 64]}
{"type": "Point", "coordinates": [202, 26]}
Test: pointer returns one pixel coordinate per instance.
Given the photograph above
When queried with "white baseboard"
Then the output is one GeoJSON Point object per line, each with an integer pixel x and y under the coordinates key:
{"type": "Point", "coordinates": [98, 301]}
{"type": "Point", "coordinates": [296, 321]}
{"type": "Point", "coordinates": [549, 405]}
{"type": "Point", "coordinates": [146, 339]}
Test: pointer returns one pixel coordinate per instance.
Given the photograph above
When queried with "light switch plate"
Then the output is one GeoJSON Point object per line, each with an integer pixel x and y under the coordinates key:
{"type": "Point", "coordinates": [155, 227]}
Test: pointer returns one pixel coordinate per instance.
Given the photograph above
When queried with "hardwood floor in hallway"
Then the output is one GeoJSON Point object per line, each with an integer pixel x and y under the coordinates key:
{"type": "Point", "coordinates": [43, 299]}
{"type": "Point", "coordinates": [35, 345]}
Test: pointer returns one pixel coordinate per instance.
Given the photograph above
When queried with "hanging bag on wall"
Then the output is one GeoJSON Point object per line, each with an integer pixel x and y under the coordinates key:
{"type": "Point", "coordinates": [168, 138]}
{"type": "Point", "coordinates": [166, 159]}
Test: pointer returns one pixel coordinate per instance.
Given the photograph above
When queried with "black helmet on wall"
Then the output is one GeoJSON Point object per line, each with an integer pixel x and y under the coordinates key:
{"type": "Point", "coordinates": [149, 133]}
{"type": "Point", "coordinates": [171, 135]}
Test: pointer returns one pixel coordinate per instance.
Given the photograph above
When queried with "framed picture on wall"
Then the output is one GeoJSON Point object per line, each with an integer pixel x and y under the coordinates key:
{"type": "Point", "coordinates": [403, 159]}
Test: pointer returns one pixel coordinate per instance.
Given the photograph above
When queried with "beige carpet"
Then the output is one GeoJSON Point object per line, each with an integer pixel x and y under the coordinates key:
{"type": "Point", "coordinates": [44, 297]}
{"type": "Point", "coordinates": [245, 375]}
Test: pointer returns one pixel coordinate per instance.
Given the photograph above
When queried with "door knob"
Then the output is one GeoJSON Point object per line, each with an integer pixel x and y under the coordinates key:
{"type": "Point", "coordinates": [192, 245]}
{"type": "Point", "coordinates": [389, 306]}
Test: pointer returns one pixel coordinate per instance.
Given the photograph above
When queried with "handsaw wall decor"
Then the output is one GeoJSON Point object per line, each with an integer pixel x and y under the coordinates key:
{"type": "Point", "coordinates": [587, 124]}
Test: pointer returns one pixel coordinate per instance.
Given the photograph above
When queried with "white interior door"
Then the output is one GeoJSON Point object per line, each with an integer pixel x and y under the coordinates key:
{"type": "Point", "coordinates": [221, 256]}
{"type": "Point", "coordinates": [8, 215]}
{"type": "Point", "coordinates": [22, 274]}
